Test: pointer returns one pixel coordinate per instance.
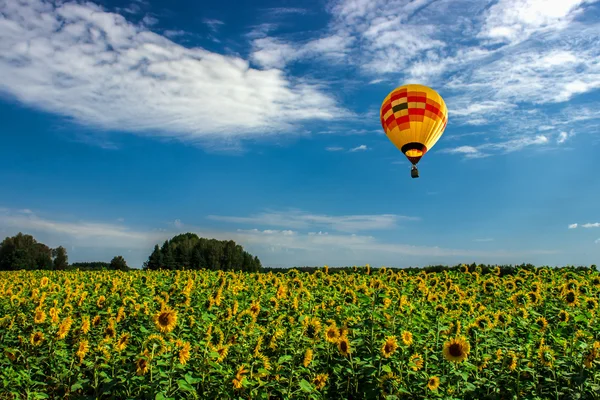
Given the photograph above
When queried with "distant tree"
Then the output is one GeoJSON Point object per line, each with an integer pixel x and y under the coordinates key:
{"type": "Point", "coordinates": [90, 266]}
{"type": "Point", "coordinates": [22, 251]}
{"type": "Point", "coordinates": [118, 263]}
{"type": "Point", "coordinates": [155, 260]}
{"type": "Point", "coordinates": [189, 251]}
{"type": "Point", "coordinates": [61, 260]}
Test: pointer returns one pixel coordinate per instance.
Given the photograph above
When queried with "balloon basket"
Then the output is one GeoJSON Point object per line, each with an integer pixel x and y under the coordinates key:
{"type": "Point", "coordinates": [414, 172]}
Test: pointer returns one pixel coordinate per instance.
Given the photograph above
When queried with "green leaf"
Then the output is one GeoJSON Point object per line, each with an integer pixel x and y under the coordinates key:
{"type": "Point", "coordinates": [386, 368]}
{"type": "Point", "coordinates": [305, 386]}
{"type": "Point", "coordinates": [191, 380]}
{"type": "Point", "coordinates": [75, 387]}
{"type": "Point", "coordinates": [183, 385]}
{"type": "Point", "coordinates": [283, 359]}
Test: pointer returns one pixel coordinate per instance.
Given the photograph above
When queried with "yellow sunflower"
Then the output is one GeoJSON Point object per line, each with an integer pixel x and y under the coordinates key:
{"type": "Point", "coordinates": [141, 366]}
{"type": "Point", "coordinates": [320, 381]}
{"type": "Point", "coordinates": [344, 346]}
{"type": "Point", "coordinates": [456, 349]}
{"type": "Point", "coordinates": [433, 383]}
{"type": "Point", "coordinates": [542, 323]}
{"type": "Point", "coordinates": [389, 346]}
{"type": "Point", "coordinates": [417, 362]}
{"type": "Point", "coordinates": [570, 297]}
{"type": "Point", "coordinates": [545, 354]}
{"type": "Point", "coordinates": [82, 350]}
{"type": "Point", "coordinates": [166, 319]}
{"type": "Point", "coordinates": [407, 338]}
{"type": "Point", "coordinates": [308, 356]}
{"type": "Point", "coordinates": [40, 316]}
{"type": "Point", "coordinates": [184, 353]}
{"type": "Point", "coordinates": [37, 338]}
{"type": "Point", "coordinates": [332, 333]}
{"type": "Point", "coordinates": [122, 342]}
{"type": "Point", "coordinates": [563, 316]}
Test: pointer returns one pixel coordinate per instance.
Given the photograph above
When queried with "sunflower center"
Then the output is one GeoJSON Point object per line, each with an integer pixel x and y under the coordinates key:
{"type": "Point", "coordinates": [455, 350]}
{"type": "Point", "coordinates": [163, 319]}
{"type": "Point", "coordinates": [343, 346]}
{"type": "Point", "coordinates": [570, 297]}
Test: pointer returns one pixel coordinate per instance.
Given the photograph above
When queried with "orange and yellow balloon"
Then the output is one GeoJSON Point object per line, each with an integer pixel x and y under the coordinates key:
{"type": "Point", "coordinates": [413, 118]}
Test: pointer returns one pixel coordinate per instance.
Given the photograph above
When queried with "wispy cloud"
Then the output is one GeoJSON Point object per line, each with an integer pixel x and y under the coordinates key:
{"type": "Point", "coordinates": [334, 148]}
{"type": "Point", "coordinates": [586, 225]}
{"type": "Point", "coordinates": [498, 63]}
{"type": "Point", "coordinates": [591, 225]}
{"type": "Point", "coordinates": [81, 233]}
{"type": "Point", "coordinates": [362, 147]}
{"type": "Point", "coordinates": [213, 24]}
{"type": "Point", "coordinates": [504, 147]}
{"type": "Point", "coordinates": [265, 243]}
{"type": "Point", "coordinates": [514, 21]}
{"type": "Point", "coordinates": [271, 52]}
{"type": "Point", "coordinates": [296, 219]}
{"type": "Point", "coordinates": [93, 66]}
{"type": "Point", "coordinates": [466, 151]}
{"type": "Point", "coordinates": [279, 11]}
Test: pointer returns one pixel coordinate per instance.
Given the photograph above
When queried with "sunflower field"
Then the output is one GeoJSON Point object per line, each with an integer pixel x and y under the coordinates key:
{"type": "Point", "coordinates": [362, 333]}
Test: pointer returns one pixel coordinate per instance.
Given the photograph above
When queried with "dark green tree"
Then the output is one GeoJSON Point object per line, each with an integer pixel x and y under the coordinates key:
{"type": "Point", "coordinates": [22, 251]}
{"type": "Point", "coordinates": [188, 250]}
{"type": "Point", "coordinates": [90, 266]}
{"type": "Point", "coordinates": [155, 260]}
{"type": "Point", "coordinates": [119, 263]}
{"type": "Point", "coordinates": [61, 260]}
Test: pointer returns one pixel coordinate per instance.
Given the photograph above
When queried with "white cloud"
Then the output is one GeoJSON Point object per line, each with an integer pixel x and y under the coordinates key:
{"type": "Point", "coordinates": [213, 24]}
{"type": "Point", "coordinates": [554, 73]}
{"type": "Point", "coordinates": [362, 147]}
{"type": "Point", "coordinates": [591, 225]}
{"type": "Point", "coordinates": [562, 137]}
{"type": "Point", "coordinates": [466, 151]}
{"type": "Point", "coordinates": [269, 52]}
{"type": "Point", "coordinates": [93, 66]}
{"type": "Point", "coordinates": [504, 147]}
{"type": "Point", "coordinates": [587, 225]}
{"type": "Point", "coordinates": [467, 108]}
{"type": "Point", "coordinates": [516, 20]}
{"type": "Point", "coordinates": [80, 233]}
{"type": "Point", "coordinates": [178, 224]}
{"type": "Point", "coordinates": [303, 220]}
{"type": "Point", "coordinates": [97, 240]}
{"type": "Point", "coordinates": [334, 148]}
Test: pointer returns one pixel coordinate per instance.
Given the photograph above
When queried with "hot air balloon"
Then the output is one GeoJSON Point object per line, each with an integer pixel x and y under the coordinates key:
{"type": "Point", "coordinates": [413, 118]}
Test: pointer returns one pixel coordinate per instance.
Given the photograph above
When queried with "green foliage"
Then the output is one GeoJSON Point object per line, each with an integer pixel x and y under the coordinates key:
{"type": "Point", "coordinates": [118, 263]}
{"type": "Point", "coordinates": [61, 260]}
{"type": "Point", "coordinates": [90, 266]}
{"type": "Point", "coordinates": [24, 252]}
{"type": "Point", "coordinates": [189, 251]}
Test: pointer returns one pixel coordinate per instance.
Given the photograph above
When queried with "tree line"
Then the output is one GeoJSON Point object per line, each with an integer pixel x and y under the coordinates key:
{"type": "Point", "coordinates": [23, 251]}
{"type": "Point", "coordinates": [184, 251]}
{"type": "Point", "coordinates": [189, 251]}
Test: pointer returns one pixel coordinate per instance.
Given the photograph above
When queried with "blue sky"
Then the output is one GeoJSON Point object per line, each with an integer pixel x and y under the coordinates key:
{"type": "Point", "coordinates": [125, 123]}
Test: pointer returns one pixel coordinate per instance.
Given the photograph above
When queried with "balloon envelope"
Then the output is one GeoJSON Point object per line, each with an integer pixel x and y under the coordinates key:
{"type": "Point", "coordinates": [413, 118]}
